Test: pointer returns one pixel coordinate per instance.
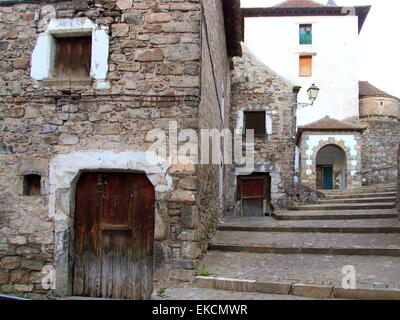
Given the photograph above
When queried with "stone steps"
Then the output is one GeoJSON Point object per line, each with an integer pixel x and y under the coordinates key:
{"type": "Point", "coordinates": [359, 191]}
{"type": "Point", "coordinates": [267, 224]}
{"type": "Point", "coordinates": [302, 251]}
{"type": "Point", "coordinates": [283, 290]}
{"type": "Point", "coordinates": [345, 206]}
{"type": "Point", "coordinates": [362, 195]}
{"type": "Point", "coordinates": [314, 276]}
{"type": "Point", "coordinates": [209, 293]}
{"type": "Point", "coordinates": [358, 200]}
{"type": "Point", "coordinates": [336, 215]}
{"type": "Point", "coordinates": [307, 243]}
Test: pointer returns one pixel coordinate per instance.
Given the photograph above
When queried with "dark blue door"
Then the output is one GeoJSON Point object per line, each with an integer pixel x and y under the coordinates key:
{"type": "Point", "coordinates": [328, 178]}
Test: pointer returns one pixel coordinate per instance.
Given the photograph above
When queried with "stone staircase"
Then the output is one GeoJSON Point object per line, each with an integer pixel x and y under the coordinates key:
{"type": "Point", "coordinates": [302, 252]}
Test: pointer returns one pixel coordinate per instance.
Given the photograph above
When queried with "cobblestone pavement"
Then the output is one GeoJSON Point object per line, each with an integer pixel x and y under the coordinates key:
{"type": "Point", "coordinates": [212, 294]}
{"type": "Point", "coordinates": [379, 272]}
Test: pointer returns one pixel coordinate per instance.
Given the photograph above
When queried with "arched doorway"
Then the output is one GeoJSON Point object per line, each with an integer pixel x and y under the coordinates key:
{"type": "Point", "coordinates": [331, 168]}
{"type": "Point", "coordinates": [114, 236]}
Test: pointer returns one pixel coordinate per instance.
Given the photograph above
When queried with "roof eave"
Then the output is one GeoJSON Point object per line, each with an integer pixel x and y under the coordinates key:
{"type": "Point", "coordinates": [360, 11]}
{"type": "Point", "coordinates": [233, 27]}
{"type": "Point", "coordinates": [301, 130]}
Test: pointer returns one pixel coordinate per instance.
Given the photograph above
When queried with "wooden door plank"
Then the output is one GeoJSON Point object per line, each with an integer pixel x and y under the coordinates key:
{"type": "Point", "coordinates": [107, 264]}
{"type": "Point", "coordinates": [144, 215]}
{"type": "Point", "coordinates": [122, 240]}
{"type": "Point", "coordinates": [86, 207]}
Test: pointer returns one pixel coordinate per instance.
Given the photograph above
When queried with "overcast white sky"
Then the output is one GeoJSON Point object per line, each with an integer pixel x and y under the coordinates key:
{"type": "Point", "coordinates": [379, 41]}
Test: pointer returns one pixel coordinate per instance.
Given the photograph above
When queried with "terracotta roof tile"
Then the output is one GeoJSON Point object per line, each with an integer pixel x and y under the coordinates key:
{"type": "Point", "coordinates": [368, 90]}
{"type": "Point", "coordinates": [328, 123]}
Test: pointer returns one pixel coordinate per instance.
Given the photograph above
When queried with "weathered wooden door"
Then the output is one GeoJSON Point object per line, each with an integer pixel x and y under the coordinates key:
{"type": "Point", "coordinates": [114, 233]}
{"type": "Point", "coordinates": [328, 177]}
{"type": "Point", "coordinates": [254, 194]}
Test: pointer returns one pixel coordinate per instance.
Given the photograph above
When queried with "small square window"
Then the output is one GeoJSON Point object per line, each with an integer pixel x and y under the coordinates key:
{"type": "Point", "coordinates": [305, 34]}
{"type": "Point", "coordinates": [73, 58]}
{"type": "Point", "coordinates": [305, 66]}
{"type": "Point", "coordinates": [31, 186]}
{"type": "Point", "coordinates": [255, 120]}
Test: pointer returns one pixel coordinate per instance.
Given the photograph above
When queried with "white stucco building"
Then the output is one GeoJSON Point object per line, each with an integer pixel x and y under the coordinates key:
{"type": "Point", "coordinates": [307, 42]}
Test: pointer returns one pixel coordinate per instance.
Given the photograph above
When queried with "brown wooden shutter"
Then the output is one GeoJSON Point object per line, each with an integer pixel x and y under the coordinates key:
{"type": "Point", "coordinates": [73, 58]}
{"type": "Point", "coordinates": [305, 66]}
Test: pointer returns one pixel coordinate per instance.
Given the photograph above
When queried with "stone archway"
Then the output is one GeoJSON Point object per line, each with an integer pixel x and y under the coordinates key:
{"type": "Point", "coordinates": [331, 164]}
{"type": "Point", "coordinates": [65, 171]}
{"type": "Point", "coordinates": [349, 143]}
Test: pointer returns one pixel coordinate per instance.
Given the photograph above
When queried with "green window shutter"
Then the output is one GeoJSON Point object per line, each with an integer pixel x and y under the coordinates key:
{"type": "Point", "coordinates": [305, 34]}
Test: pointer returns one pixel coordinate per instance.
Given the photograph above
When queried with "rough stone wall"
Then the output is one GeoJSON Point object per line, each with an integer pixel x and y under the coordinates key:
{"type": "Point", "coordinates": [302, 195]}
{"type": "Point", "coordinates": [398, 180]}
{"type": "Point", "coordinates": [312, 142]}
{"type": "Point", "coordinates": [213, 114]}
{"type": "Point", "coordinates": [380, 141]}
{"type": "Point", "coordinates": [154, 78]}
{"type": "Point", "coordinates": [255, 87]}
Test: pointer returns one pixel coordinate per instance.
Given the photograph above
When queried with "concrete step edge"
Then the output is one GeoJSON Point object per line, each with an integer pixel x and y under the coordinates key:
{"type": "Point", "coordinates": [305, 217]}
{"type": "Point", "coordinates": [358, 200]}
{"type": "Point", "coordinates": [385, 252]}
{"type": "Point", "coordinates": [327, 207]}
{"type": "Point", "coordinates": [288, 229]}
{"type": "Point", "coordinates": [295, 289]}
{"type": "Point", "coordinates": [361, 196]}
{"type": "Point", "coordinates": [350, 192]}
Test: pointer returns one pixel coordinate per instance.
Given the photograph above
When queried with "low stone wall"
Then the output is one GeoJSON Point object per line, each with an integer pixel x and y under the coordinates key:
{"type": "Point", "coordinates": [301, 195]}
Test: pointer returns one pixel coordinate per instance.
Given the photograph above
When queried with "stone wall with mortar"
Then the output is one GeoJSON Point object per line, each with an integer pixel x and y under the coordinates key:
{"type": "Point", "coordinates": [153, 78]}
{"type": "Point", "coordinates": [398, 180]}
{"type": "Point", "coordinates": [312, 142]}
{"type": "Point", "coordinates": [213, 114]}
{"type": "Point", "coordinates": [255, 87]}
{"type": "Point", "coordinates": [381, 116]}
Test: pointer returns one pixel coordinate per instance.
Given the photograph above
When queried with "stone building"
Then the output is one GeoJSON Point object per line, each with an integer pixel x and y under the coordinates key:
{"type": "Point", "coordinates": [81, 85]}
{"type": "Point", "coordinates": [330, 154]}
{"type": "Point", "coordinates": [265, 102]}
{"type": "Point", "coordinates": [380, 114]}
{"type": "Point", "coordinates": [348, 136]}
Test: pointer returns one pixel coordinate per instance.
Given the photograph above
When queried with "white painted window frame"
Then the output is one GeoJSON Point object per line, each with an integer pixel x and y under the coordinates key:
{"type": "Point", "coordinates": [43, 56]}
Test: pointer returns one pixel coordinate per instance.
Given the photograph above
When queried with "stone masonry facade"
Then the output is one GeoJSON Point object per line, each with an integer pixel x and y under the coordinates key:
{"type": "Point", "coordinates": [167, 63]}
{"type": "Point", "coordinates": [255, 87]}
{"type": "Point", "coordinates": [381, 116]}
{"type": "Point", "coordinates": [312, 142]}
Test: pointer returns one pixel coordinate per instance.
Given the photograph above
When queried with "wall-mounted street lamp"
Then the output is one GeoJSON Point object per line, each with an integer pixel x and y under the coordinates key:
{"type": "Point", "coordinates": [312, 96]}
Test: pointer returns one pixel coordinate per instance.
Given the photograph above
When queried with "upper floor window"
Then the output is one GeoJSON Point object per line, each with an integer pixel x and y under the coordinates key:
{"type": "Point", "coordinates": [255, 120]}
{"type": "Point", "coordinates": [73, 57]}
{"type": "Point", "coordinates": [305, 66]}
{"type": "Point", "coordinates": [71, 50]}
{"type": "Point", "coordinates": [305, 34]}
